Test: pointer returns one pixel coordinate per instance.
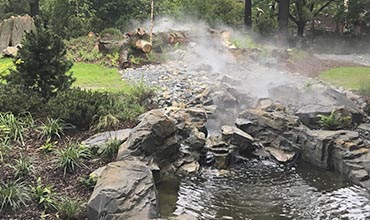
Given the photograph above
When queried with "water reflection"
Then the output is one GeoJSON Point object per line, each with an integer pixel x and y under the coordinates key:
{"type": "Point", "coordinates": [265, 191]}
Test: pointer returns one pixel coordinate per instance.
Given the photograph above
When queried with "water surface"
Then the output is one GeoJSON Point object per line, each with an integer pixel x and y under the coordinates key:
{"type": "Point", "coordinates": [263, 191]}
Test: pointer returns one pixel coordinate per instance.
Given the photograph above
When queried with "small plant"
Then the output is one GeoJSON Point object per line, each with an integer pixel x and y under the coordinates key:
{"type": "Point", "coordinates": [72, 157]}
{"type": "Point", "coordinates": [136, 60]}
{"type": "Point", "coordinates": [48, 147]}
{"type": "Point", "coordinates": [110, 150]}
{"type": "Point", "coordinates": [52, 128]}
{"type": "Point", "coordinates": [113, 59]}
{"type": "Point", "coordinates": [69, 208]}
{"type": "Point", "coordinates": [23, 167]}
{"type": "Point", "coordinates": [13, 196]}
{"type": "Point", "coordinates": [4, 148]}
{"type": "Point", "coordinates": [44, 195]}
{"type": "Point", "coordinates": [140, 92]}
{"type": "Point", "coordinates": [336, 120]}
{"type": "Point", "coordinates": [89, 181]}
{"type": "Point", "coordinates": [13, 127]}
{"type": "Point", "coordinates": [4, 133]}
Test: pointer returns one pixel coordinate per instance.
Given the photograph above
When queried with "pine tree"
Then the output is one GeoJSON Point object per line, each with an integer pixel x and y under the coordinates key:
{"type": "Point", "coordinates": [41, 64]}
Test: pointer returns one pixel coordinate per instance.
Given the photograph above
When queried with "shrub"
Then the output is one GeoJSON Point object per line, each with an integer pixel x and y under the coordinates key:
{"type": "Point", "coordinates": [110, 149]}
{"type": "Point", "coordinates": [112, 33]}
{"type": "Point", "coordinates": [77, 107]}
{"type": "Point", "coordinates": [52, 128]}
{"type": "Point", "coordinates": [44, 195]}
{"type": "Point", "coordinates": [69, 208]}
{"type": "Point", "coordinates": [43, 64]}
{"type": "Point", "coordinates": [336, 120]}
{"type": "Point", "coordinates": [72, 157]}
{"type": "Point", "coordinates": [81, 49]}
{"type": "Point", "coordinates": [13, 196]}
{"type": "Point", "coordinates": [18, 99]}
{"type": "Point", "coordinates": [23, 167]}
{"type": "Point", "coordinates": [105, 122]}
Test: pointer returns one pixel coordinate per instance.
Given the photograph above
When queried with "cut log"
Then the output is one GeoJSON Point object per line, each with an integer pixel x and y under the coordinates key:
{"type": "Point", "coordinates": [177, 37]}
{"type": "Point", "coordinates": [143, 45]}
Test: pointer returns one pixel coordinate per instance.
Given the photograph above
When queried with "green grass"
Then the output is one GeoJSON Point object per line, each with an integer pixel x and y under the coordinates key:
{"type": "Point", "coordinates": [5, 64]}
{"type": "Point", "coordinates": [347, 77]}
{"type": "Point", "coordinates": [96, 77]}
{"type": "Point", "coordinates": [89, 76]}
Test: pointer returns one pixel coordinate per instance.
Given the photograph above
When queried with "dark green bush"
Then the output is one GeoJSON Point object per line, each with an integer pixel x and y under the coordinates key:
{"type": "Point", "coordinates": [41, 64]}
{"type": "Point", "coordinates": [77, 107]}
{"type": "Point", "coordinates": [17, 99]}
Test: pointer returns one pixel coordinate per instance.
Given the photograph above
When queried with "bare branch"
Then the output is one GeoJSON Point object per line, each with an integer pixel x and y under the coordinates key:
{"type": "Point", "coordinates": [323, 7]}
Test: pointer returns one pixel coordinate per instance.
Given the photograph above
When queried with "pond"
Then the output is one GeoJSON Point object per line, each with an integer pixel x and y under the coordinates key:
{"type": "Point", "coordinates": [262, 190]}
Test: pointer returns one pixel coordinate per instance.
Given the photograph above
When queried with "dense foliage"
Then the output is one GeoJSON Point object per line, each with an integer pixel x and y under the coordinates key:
{"type": "Point", "coordinates": [73, 18]}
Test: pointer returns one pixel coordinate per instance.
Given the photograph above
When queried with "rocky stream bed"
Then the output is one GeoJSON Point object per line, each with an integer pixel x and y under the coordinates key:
{"type": "Point", "coordinates": [227, 142]}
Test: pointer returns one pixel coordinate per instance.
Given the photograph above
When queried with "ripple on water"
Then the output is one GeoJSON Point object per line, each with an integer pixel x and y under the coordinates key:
{"type": "Point", "coordinates": [261, 192]}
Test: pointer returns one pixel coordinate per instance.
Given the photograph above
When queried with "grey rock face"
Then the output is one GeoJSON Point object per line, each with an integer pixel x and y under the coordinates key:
{"type": "Point", "coordinates": [153, 136]}
{"type": "Point", "coordinates": [125, 191]}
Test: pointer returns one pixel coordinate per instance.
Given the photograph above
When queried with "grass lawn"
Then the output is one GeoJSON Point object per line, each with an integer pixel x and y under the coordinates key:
{"type": "Point", "coordinates": [348, 77]}
{"type": "Point", "coordinates": [5, 64]}
{"type": "Point", "coordinates": [96, 77]}
{"type": "Point", "coordinates": [89, 76]}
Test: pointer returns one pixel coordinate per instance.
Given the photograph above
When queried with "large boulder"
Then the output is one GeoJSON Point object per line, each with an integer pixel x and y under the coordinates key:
{"type": "Point", "coordinates": [330, 100]}
{"type": "Point", "coordinates": [243, 141]}
{"type": "Point", "coordinates": [12, 30]}
{"type": "Point", "coordinates": [124, 191]}
{"type": "Point", "coordinates": [153, 136]}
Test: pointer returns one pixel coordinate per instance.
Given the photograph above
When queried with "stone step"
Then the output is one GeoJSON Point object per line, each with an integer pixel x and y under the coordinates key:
{"type": "Point", "coordinates": [358, 176]}
{"type": "Point", "coordinates": [220, 150]}
{"type": "Point", "coordinates": [353, 166]}
{"type": "Point", "coordinates": [353, 146]}
{"type": "Point", "coordinates": [221, 155]}
{"type": "Point", "coordinates": [365, 184]}
{"type": "Point", "coordinates": [349, 155]}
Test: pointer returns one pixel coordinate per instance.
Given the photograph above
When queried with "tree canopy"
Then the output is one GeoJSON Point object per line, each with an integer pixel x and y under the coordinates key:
{"type": "Point", "coordinates": [72, 18]}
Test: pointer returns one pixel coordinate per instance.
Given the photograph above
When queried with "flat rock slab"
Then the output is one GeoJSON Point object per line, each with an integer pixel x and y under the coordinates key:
{"type": "Point", "coordinates": [280, 155]}
{"type": "Point", "coordinates": [100, 139]}
{"type": "Point", "coordinates": [125, 191]}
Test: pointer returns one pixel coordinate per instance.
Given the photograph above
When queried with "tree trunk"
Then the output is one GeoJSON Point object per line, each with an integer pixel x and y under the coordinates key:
{"type": "Point", "coordinates": [248, 14]}
{"type": "Point", "coordinates": [151, 22]}
{"type": "Point", "coordinates": [300, 31]}
{"type": "Point", "coordinates": [284, 17]}
{"type": "Point", "coordinates": [35, 8]}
